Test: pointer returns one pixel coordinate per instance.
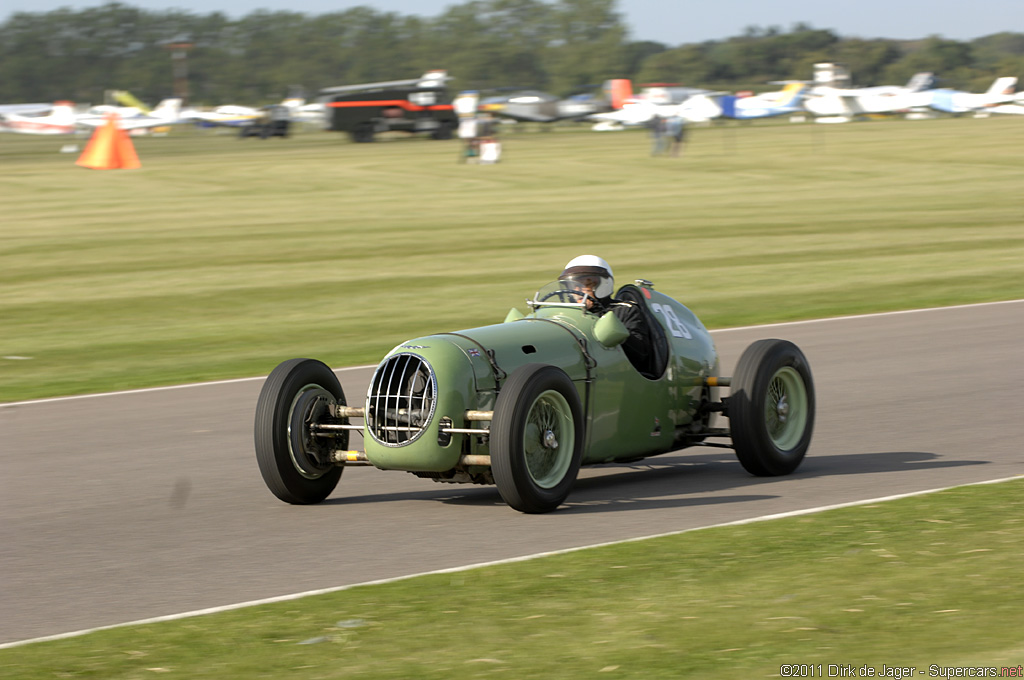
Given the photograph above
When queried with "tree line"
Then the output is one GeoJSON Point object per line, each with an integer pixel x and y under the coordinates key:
{"type": "Point", "coordinates": [563, 47]}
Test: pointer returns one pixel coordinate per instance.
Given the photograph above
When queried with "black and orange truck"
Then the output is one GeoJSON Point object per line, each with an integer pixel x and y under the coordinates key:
{"type": "Point", "coordinates": [417, 105]}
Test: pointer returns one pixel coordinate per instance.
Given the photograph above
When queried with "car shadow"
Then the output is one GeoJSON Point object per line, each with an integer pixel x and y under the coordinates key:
{"type": "Point", "coordinates": [678, 479]}
{"type": "Point", "coordinates": [642, 484]}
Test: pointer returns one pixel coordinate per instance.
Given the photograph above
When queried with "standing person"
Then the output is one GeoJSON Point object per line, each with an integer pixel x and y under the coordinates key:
{"type": "Point", "coordinates": [469, 134]}
{"type": "Point", "coordinates": [676, 129]}
{"type": "Point", "coordinates": [657, 127]}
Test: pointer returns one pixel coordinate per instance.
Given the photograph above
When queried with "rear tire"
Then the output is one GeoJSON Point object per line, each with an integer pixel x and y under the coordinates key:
{"type": "Point", "coordinates": [296, 465]}
{"type": "Point", "coordinates": [771, 408]}
{"type": "Point", "coordinates": [536, 438]}
{"type": "Point", "coordinates": [363, 133]}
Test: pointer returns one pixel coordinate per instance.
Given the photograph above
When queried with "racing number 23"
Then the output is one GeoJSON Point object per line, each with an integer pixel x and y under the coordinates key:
{"type": "Point", "coordinates": [676, 327]}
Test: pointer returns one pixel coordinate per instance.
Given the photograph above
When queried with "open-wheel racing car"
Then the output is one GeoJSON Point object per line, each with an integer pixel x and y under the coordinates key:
{"type": "Point", "coordinates": [524, 403]}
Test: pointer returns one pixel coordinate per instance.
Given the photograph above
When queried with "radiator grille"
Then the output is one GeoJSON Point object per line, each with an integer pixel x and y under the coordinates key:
{"type": "Point", "coordinates": [401, 400]}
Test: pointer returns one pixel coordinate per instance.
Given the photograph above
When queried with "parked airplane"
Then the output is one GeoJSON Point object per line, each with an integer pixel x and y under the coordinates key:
{"type": "Point", "coordinates": [786, 100]}
{"type": "Point", "coordinates": [697, 109]}
{"type": "Point", "coordinates": [167, 112]}
{"type": "Point", "coordinates": [955, 101]}
{"type": "Point", "coordinates": [841, 105]}
{"type": "Point", "coordinates": [533, 106]}
{"type": "Point", "coordinates": [693, 105]}
{"type": "Point", "coordinates": [58, 120]}
{"type": "Point", "coordinates": [227, 115]}
{"type": "Point", "coordinates": [233, 115]}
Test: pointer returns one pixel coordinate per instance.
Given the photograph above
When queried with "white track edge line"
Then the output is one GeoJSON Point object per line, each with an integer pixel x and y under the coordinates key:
{"type": "Point", "coordinates": [143, 390]}
{"type": "Point", "coordinates": [482, 565]}
{"type": "Point", "coordinates": [850, 317]}
{"type": "Point", "coordinates": [352, 368]}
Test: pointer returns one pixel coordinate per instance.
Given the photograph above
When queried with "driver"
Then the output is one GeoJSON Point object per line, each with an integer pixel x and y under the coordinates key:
{"type": "Point", "coordinates": [594, 276]}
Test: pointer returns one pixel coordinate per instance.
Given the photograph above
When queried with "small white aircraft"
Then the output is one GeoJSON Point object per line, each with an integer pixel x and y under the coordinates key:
{"type": "Point", "coordinates": [693, 105]}
{"type": "Point", "coordinates": [840, 105]}
{"type": "Point", "coordinates": [697, 109]}
{"type": "Point", "coordinates": [955, 101]}
{"type": "Point", "coordinates": [233, 115]}
{"type": "Point", "coordinates": [228, 115]}
{"type": "Point", "coordinates": [167, 112]}
{"type": "Point", "coordinates": [58, 119]}
{"type": "Point", "coordinates": [765, 105]}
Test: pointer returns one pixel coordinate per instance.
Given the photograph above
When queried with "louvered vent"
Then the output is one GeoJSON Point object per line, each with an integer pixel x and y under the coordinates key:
{"type": "Point", "coordinates": [401, 400]}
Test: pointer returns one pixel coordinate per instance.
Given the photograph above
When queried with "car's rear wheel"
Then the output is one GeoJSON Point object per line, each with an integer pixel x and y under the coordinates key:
{"type": "Point", "coordinates": [536, 438]}
{"type": "Point", "coordinates": [363, 133]}
{"type": "Point", "coordinates": [771, 408]}
{"type": "Point", "coordinates": [296, 464]}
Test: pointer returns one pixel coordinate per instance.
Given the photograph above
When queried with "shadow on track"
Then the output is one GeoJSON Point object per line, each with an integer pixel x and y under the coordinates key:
{"type": "Point", "coordinates": [673, 480]}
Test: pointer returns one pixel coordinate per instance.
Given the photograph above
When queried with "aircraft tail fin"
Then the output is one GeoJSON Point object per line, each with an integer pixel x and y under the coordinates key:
{"type": "Point", "coordinates": [125, 98]}
{"type": "Point", "coordinates": [1004, 85]}
{"type": "Point", "coordinates": [921, 81]}
{"type": "Point", "coordinates": [618, 91]}
{"type": "Point", "coordinates": [168, 108]}
{"type": "Point", "coordinates": [791, 94]}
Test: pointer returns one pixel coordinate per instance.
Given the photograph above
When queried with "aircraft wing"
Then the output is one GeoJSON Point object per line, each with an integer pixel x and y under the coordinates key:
{"type": "Point", "coordinates": [147, 123]}
{"type": "Point", "coordinates": [218, 119]}
{"type": "Point", "coordinates": [838, 103]}
{"type": "Point", "coordinates": [135, 123]}
{"type": "Point", "coordinates": [6, 109]}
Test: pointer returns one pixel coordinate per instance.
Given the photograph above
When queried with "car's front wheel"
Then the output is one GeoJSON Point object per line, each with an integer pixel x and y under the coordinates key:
{"type": "Point", "coordinates": [771, 408]}
{"type": "Point", "coordinates": [536, 438]}
{"type": "Point", "coordinates": [295, 463]}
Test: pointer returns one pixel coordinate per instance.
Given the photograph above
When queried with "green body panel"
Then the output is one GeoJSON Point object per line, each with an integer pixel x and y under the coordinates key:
{"type": "Point", "coordinates": [631, 416]}
{"type": "Point", "coordinates": [628, 416]}
{"type": "Point", "coordinates": [456, 392]}
{"type": "Point", "coordinates": [466, 380]}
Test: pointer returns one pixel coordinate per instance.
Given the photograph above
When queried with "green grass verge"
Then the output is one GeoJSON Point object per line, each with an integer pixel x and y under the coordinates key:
{"type": "Point", "coordinates": [221, 257]}
{"type": "Point", "coordinates": [932, 579]}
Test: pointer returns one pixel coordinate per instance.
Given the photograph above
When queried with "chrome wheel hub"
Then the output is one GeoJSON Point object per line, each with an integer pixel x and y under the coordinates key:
{"type": "Point", "coordinates": [782, 409]}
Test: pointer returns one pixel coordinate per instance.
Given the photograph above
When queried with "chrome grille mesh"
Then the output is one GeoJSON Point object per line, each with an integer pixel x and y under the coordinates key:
{"type": "Point", "coordinates": [401, 400]}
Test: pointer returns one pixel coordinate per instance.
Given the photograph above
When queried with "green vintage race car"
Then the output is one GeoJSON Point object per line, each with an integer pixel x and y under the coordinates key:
{"type": "Point", "coordinates": [524, 403]}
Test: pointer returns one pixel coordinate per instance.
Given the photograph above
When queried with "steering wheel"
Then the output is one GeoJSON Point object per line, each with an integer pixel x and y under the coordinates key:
{"type": "Point", "coordinates": [576, 295]}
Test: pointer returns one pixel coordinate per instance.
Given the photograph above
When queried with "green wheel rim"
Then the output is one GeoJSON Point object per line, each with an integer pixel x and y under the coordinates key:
{"type": "Point", "coordinates": [549, 439]}
{"type": "Point", "coordinates": [785, 408]}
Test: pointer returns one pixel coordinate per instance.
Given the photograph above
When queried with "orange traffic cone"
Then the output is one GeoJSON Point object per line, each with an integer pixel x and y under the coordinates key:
{"type": "Point", "coordinates": [109, 148]}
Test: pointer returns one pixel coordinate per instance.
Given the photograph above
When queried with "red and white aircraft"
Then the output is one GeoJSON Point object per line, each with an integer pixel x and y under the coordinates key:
{"type": "Point", "coordinates": [59, 119]}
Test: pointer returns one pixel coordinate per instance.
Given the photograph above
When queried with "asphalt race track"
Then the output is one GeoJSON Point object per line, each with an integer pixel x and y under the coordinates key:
{"type": "Point", "coordinates": [129, 506]}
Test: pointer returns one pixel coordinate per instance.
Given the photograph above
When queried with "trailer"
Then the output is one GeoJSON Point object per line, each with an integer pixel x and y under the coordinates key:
{"type": "Point", "coordinates": [418, 106]}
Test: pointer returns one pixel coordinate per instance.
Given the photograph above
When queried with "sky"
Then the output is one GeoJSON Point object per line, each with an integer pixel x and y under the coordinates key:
{"type": "Point", "coordinates": [672, 22]}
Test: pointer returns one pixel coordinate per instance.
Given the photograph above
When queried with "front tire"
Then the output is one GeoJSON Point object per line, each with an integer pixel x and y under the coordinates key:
{"type": "Point", "coordinates": [296, 465]}
{"type": "Point", "coordinates": [536, 438]}
{"type": "Point", "coordinates": [771, 408]}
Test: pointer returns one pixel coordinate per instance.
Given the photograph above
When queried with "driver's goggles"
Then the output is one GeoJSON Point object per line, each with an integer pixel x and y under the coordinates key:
{"type": "Point", "coordinates": [585, 281]}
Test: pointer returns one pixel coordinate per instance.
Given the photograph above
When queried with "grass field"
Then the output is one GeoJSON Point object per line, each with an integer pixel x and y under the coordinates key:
{"type": "Point", "coordinates": [920, 582]}
{"type": "Point", "coordinates": [222, 257]}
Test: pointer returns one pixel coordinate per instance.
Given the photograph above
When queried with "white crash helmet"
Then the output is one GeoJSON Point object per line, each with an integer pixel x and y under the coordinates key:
{"type": "Point", "coordinates": [588, 266]}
